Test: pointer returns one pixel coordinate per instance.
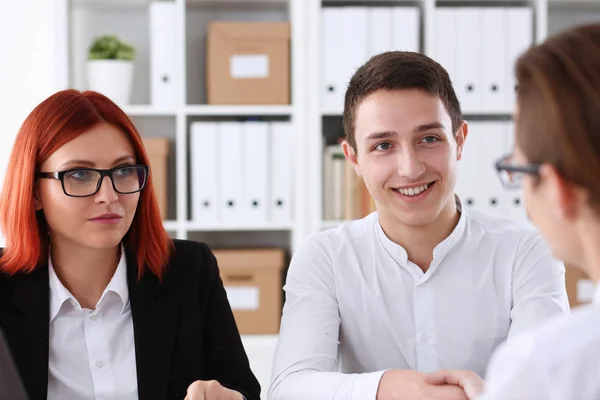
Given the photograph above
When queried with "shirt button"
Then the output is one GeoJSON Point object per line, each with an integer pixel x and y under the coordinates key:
{"type": "Point", "coordinates": [425, 339]}
{"type": "Point", "coordinates": [99, 364]}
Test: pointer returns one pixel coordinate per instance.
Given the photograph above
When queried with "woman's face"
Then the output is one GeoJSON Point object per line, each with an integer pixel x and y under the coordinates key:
{"type": "Point", "coordinates": [550, 207]}
{"type": "Point", "coordinates": [75, 220]}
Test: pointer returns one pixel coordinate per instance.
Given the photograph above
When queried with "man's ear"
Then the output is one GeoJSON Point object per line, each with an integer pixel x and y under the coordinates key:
{"type": "Point", "coordinates": [461, 136]}
{"type": "Point", "coordinates": [351, 156]}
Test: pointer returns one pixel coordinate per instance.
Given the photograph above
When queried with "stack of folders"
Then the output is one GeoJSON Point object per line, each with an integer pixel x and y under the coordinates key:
{"type": "Point", "coordinates": [478, 46]}
{"type": "Point", "coordinates": [241, 172]}
{"type": "Point", "coordinates": [345, 195]}
{"type": "Point", "coordinates": [352, 35]}
{"type": "Point", "coordinates": [478, 184]}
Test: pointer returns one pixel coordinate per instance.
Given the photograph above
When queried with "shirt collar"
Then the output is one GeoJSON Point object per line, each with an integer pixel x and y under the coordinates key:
{"type": "Point", "coordinates": [399, 252]}
{"type": "Point", "coordinates": [59, 294]}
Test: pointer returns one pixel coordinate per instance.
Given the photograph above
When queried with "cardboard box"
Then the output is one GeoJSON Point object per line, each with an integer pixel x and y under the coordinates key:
{"type": "Point", "coordinates": [158, 152]}
{"type": "Point", "coordinates": [253, 281]}
{"type": "Point", "coordinates": [580, 288]}
{"type": "Point", "coordinates": [248, 63]}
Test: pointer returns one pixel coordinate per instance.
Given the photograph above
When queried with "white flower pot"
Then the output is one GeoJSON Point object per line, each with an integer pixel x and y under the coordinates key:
{"type": "Point", "coordinates": [112, 78]}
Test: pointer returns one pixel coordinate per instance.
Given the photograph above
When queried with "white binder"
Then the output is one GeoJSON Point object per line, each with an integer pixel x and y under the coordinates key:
{"type": "Point", "coordinates": [345, 46]}
{"type": "Point", "coordinates": [514, 197]}
{"type": "Point", "coordinates": [469, 181]}
{"type": "Point", "coordinates": [406, 29]}
{"type": "Point", "coordinates": [519, 37]}
{"type": "Point", "coordinates": [204, 166]}
{"type": "Point", "coordinates": [163, 53]}
{"type": "Point", "coordinates": [380, 30]}
{"type": "Point", "coordinates": [496, 144]}
{"type": "Point", "coordinates": [281, 172]}
{"type": "Point", "coordinates": [445, 42]}
{"type": "Point", "coordinates": [230, 151]}
{"type": "Point", "coordinates": [494, 58]}
{"type": "Point", "coordinates": [355, 43]}
{"type": "Point", "coordinates": [468, 45]}
{"type": "Point", "coordinates": [332, 59]}
{"type": "Point", "coordinates": [255, 170]}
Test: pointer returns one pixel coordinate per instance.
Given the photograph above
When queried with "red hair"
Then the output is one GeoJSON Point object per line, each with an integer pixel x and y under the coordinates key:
{"type": "Point", "coordinates": [54, 122]}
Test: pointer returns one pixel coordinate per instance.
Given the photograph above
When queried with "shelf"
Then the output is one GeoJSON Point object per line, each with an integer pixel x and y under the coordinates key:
{"type": "Point", "coordinates": [118, 4]}
{"type": "Point", "coordinates": [143, 110]}
{"type": "Point", "coordinates": [485, 3]}
{"type": "Point", "coordinates": [170, 225]}
{"type": "Point", "coordinates": [468, 112]}
{"type": "Point", "coordinates": [574, 5]}
{"type": "Point", "coordinates": [237, 5]}
{"type": "Point", "coordinates": [241, 110]}
{"type": "Point", "coordinates": [235, 2]}
{"type": "Point", "coordinates": [368, 3]}
{"type": "Point", "coordinates": [492, 113]}
{"type": "Point", "coordinates": [194, 226]}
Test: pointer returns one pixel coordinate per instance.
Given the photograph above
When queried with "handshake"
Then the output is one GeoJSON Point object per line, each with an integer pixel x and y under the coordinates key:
{"type": "Point", "coordinates": [441, 385]}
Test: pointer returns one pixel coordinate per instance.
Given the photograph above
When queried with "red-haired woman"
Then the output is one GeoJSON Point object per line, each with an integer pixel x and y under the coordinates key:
{"type": "Point", "coordinates": [96, 301]}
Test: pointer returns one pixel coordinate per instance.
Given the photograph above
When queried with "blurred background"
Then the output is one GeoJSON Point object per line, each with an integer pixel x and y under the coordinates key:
{"type": "Point", "coordinates": [239, 103]}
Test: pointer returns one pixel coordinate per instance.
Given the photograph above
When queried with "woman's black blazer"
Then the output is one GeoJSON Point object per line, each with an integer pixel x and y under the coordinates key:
{"type": "Point", "coordinates": [184, 328]}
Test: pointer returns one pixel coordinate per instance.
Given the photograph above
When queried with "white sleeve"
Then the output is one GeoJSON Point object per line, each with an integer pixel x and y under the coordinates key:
{"type": "Point", "coordinates": [514, 375]}
{"type": "Point", "coordinates": [538, 286]}
{"type": "Point", "coordinates": [554, 362]}
{"type": "Point", "coordinates": [307, 349]}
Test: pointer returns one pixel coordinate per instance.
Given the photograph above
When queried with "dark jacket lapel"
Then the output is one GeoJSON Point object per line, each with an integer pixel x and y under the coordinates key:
{"type": "Point", "coordinates": [28, 331]}
{"type": "Point", "coordinates": [155, 312]}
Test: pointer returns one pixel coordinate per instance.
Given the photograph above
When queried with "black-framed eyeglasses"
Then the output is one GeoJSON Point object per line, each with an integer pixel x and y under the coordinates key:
{"type": "Point", "coordinates": [84, 182]}
{"type": "Point", "coordinates": [512, 174]}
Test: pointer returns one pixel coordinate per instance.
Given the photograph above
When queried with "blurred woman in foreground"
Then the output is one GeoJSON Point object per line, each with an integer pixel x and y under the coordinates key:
{"type": "Point", "coordinates": [556, 160]}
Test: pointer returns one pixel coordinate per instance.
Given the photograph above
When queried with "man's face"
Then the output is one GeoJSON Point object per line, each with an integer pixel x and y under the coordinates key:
{"type": "Point", "coordinates": [406, 154]}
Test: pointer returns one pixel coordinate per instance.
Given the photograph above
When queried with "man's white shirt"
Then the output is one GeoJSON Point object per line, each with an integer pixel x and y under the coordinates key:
{"type": "Point", "coordinates": [356, 306]}
{"type": "Point", "coordinates": [558, 360]}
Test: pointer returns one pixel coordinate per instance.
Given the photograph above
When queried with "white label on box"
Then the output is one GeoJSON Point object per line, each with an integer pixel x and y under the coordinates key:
{"type": "Point", "coordinates": [585, 290]}
{"type": "Point", "coordinates": [249, 66]}
{"type": "Point", "coordinates": [243, 297]}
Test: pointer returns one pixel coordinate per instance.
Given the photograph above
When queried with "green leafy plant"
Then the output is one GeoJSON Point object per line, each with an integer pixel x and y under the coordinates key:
{"type": "Point", "coordinates": [110, 47]}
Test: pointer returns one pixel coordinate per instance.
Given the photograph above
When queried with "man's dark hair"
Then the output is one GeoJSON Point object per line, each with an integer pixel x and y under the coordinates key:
{"type": "Point", "coordinates": [399, 70]}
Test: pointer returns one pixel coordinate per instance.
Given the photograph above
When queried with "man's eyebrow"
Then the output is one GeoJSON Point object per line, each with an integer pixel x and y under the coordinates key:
{"type": "Point", "coordinates": [428, 127]}
{"type": "Point", "coordinates": [388, 134]}
{"type": "Point", "coordinates": [381, 135]}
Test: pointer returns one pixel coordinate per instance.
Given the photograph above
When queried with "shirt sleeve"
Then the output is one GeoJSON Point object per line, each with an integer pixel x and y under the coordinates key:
{"type": "Point", "coordinates": [538, 286]}
{"type": "Point", "coordinates": [307, 350]}
{"type": "Point", "coordinates": [552, 362]}
{"type": "Point", "coordinates": [512, 373]}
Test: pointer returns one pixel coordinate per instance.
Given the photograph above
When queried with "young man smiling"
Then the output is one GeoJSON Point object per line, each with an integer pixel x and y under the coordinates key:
{"type": "Point", "coordinates": [422, 284]}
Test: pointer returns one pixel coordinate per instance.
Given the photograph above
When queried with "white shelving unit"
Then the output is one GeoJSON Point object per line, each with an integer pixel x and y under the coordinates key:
{"type": "Point", "coordinates": [129, 18]}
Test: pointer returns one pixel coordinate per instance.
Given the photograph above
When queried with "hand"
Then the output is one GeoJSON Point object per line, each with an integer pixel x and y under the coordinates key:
{"type": "Point", "coordinates": [469, 381]}
{"type": "Point", "coordinates": [211, 390]}
{"type": "Point", "coordinates": [411, 385]}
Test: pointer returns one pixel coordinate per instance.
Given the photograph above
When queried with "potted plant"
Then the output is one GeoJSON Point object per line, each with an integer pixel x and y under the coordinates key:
{"type": "Point", "coordinates": [110, 68]}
